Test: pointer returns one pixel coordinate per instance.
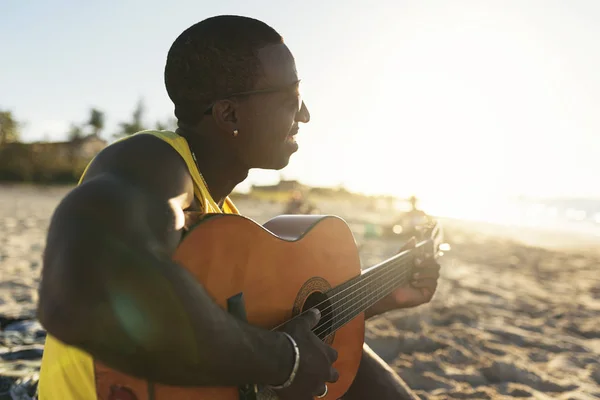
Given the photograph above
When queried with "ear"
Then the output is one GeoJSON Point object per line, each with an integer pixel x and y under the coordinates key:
{"type": "Point", "coordinates": [224, 114]}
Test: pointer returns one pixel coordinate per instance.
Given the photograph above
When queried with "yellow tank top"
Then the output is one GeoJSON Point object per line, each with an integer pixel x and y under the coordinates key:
{"type": "Point", "coordinates": [67, 373]}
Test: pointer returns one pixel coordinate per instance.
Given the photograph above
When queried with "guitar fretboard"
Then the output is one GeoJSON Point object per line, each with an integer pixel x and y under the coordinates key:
{"type": "Point", "coordinates": [355, 296]}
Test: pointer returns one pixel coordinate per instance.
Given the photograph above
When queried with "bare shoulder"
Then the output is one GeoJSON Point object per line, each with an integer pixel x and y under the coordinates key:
{"type": "Point", "coordinates": [145, 161]}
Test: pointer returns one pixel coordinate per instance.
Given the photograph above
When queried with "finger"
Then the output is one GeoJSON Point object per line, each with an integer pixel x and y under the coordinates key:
{"type": "Point", "coordinates": [429, 262]}
{"type": "Point", "coordinates": [422, 262]}
{"type": "Point", "coordinates": [422, 295]}
{"type": "Point", "coordinates": [426, 266]}
{"type": "Point", "coordinates": [412, 242]}
{"type": "Point", "coordinates": [429, 270]}
{"type": "Point", "coordinates": [332, 354]}
{"type": "Point", "coordinates": [427, 293]}
{"type": "Point", "coordinates": [312, 317]}
{"type": "Point", "coordinates": [320, 390]}
{"type": "Point", "coordinates": [422, 283]}
{"type": "Point", "coordinates": [422, 259]}
{"type": "Point", "coordinates": [425, 283]}
{"type": "Point", "coordinates": [334, 375]}
{"type": "Point", "coordinates": [425, 275]}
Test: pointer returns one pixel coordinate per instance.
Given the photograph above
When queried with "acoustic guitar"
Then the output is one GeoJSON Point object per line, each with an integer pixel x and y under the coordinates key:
{"type": "Point", "coordinates": [269, 274]}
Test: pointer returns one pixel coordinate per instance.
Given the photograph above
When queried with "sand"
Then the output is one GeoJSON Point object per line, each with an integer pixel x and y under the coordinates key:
{"type": "Point", "coordinates": [516, 315]}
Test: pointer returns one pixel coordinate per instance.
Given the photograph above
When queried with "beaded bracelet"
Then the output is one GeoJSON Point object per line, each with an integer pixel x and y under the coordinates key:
{"type": "Point", "coordinates": [294, 369]}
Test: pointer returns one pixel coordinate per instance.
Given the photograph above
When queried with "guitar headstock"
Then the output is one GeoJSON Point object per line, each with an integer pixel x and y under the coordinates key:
{"type": "Point", "coordinates": [431, 239]}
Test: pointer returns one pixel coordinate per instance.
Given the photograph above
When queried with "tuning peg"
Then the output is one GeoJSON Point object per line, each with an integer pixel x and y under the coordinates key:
{"type": "Point", "coordinates": [444, 247]}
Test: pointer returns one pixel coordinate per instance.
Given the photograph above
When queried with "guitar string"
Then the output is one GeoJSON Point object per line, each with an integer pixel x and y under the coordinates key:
{"type": "Point", "coordinates": [403, 274]}
{"type": "Point", "coordinates": [393, 264]}
{"type": "Point", "coordinates": [397, 281]}
{"type": "Point", "coordinates": [343, 318]}
{"type": "Point", "coordinates": [343, 315]}
{"type": "Point", "coordinates": [387, 268]}
{"type": "Point", "coordinates": [378, 273]}
{"type": "Point", "coordinates": [350, 311]}
{"type": "Point", "coordinates": [387, 286]}
{"type": "Point", "coordinates": [385, 271]}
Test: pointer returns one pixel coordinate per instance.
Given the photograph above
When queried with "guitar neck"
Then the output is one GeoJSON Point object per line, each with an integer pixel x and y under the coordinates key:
{"type": "Point", "coordinates": [355, 296]}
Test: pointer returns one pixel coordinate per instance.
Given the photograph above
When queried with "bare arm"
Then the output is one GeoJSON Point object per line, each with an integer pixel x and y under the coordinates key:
{"type": "Point", "coordinates": [110, 288]}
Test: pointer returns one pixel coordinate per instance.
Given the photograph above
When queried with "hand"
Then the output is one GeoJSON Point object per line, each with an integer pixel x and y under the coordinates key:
{"type": "Point", "coordinates": [420, 290]}
{"type": "Point", "coordinates": [316, 359]}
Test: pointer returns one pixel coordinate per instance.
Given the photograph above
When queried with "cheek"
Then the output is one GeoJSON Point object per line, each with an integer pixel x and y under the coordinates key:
{"type": "Point", "coordinates": [255, 122]}
{"type": "Point", "coordinates": [265, 127]}
{"type": "Point", "coordinates": [255, 141]}
{"type": "Point", "coordinates": [269, 132]}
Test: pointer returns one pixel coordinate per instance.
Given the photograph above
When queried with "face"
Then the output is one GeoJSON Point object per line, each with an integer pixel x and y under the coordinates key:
{"type": "Point", "coordinates": [268, 122]}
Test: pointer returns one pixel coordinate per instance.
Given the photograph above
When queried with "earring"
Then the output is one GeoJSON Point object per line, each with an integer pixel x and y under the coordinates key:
{"type": "Point", "coordinates": [235, 132]}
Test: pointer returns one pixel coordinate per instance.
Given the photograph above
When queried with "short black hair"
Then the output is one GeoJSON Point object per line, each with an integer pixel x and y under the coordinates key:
{"type": "Point", "coordinates": [213, 58]}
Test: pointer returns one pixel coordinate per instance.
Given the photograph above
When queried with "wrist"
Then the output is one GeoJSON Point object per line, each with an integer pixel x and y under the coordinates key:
{"type": "Point", "coordinates": [289, 363]}
{"type": "Point", "coordinates": [373, 311]}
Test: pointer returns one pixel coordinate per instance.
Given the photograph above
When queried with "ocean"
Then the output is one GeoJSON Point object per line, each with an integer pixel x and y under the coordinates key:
{"type": "Point", "coordinates": [565, 215]}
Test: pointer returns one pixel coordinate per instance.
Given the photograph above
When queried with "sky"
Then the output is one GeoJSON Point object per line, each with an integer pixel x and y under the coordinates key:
{"type": "Point", "coordinates": [449, 100]}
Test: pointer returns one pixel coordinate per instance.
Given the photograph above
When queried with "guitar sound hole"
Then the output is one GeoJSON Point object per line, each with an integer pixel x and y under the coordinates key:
{"type": "Point", "coordinates": [320, 301]}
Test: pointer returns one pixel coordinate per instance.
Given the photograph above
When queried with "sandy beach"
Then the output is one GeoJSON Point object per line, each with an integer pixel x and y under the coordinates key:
{"type": "Point", "coordinates": [516, 315]}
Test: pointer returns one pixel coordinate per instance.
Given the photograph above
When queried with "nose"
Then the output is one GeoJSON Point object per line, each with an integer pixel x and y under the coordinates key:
{"type": "Point", "coordinates": [303, 115]}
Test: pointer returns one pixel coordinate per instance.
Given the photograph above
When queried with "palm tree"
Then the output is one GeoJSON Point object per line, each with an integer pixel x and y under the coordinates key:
{"type": "Point", "coordinates": [75, 132]}
{"type": "Point", "coordinates": [169, 125]}
{"type": "Point", "coordinates": [136, 124]}
{"type": "Point", "coordinates": [96, 121]}
{"type": "Point", "coordinates": [9, 128]}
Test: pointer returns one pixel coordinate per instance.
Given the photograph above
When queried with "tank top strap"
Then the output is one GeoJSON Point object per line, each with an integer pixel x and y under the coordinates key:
{"type": "Point", "coordinates": [180, 144]}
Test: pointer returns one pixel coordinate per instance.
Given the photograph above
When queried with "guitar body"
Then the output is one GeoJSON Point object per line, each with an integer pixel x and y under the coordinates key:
{"type": "Point", "coordinates": [280, 269]}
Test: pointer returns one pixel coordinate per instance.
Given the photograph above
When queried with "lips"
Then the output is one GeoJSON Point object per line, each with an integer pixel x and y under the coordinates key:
{"type": "Point", "coordinates": [293, 132]}
{"type": "Point", "coordinates": [291, 138]}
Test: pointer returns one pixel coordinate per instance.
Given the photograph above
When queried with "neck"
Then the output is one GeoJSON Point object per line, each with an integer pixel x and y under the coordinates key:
{"type": "Point", "coordinates": [219, 166]}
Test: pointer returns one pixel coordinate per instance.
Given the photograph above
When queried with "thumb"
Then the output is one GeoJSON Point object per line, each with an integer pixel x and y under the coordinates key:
{"type": "Point", "coordinates": [412, 242]}
{"type": "Point", "coordinates": [312, 316]}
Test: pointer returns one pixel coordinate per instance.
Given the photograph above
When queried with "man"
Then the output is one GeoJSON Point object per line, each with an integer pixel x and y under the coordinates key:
{"type": "Point", "coordinates": [108, 256]}
{"type": "Point", "coordinates": [413, 219]}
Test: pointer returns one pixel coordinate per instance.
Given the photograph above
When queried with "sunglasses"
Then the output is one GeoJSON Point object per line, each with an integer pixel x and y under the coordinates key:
{"type": "Point", "coordinates": [274, 89]}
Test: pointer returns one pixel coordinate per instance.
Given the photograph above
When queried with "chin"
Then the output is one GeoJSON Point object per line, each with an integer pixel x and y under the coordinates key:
{"type": "Point", "coordinates": [281, 165]}
{"type": "Point", "coordinates": [274, 161]}
{"type": "Point", "coordinates": [278, 164]}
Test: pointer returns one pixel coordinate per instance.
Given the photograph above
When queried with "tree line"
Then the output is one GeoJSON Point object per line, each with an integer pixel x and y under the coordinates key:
{"type": "Point", "coordinates": [61, 162]}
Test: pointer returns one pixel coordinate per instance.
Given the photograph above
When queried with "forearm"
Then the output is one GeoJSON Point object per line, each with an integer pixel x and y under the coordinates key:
{"type": "Point", "coordinates": [381, 307]}
{"type": "Point", "coordinates": [158, 324]}
{"type": "Point", "coordinates": [370, 313]}
{"type": "Point", "coordinates": [183, 338]}
{"type": "Point", "coordinates": [106, 293]}
{"type": "Point", "coordinates": [213, 347]}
